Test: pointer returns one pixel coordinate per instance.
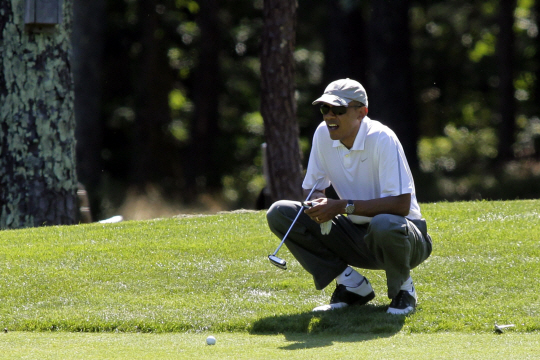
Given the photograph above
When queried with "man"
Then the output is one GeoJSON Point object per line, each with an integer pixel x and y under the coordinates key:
{"type": "Point", "coordinates": [376, 223]}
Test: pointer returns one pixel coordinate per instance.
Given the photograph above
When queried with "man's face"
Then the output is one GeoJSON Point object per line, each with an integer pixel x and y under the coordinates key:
{"type": "Point", "coordinates": [345, 127]}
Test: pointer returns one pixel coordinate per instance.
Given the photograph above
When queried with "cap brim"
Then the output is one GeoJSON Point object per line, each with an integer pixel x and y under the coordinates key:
{"type": "Point", "coordinates": [332, 100]}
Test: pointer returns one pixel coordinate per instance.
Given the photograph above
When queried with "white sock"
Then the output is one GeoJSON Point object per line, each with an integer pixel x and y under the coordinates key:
{"type": "Point", "coordinates": [354, 282]}
{"type": "Point", "coordinates": [408, 285]}
{"type": "Point", "coordinates": [349, 277]}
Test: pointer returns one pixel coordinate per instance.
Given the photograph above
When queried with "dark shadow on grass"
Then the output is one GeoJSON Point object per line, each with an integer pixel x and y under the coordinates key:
{"type": "Point", "coordinates": [350, 324]}
{"type": "Point", "coordinates": [301, 341]}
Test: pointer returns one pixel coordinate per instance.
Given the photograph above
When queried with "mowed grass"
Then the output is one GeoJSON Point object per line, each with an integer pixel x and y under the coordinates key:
{"type": "Point", "coordinates": [201, 275]}
{"type": "Point", "coordinates": [97, 346]}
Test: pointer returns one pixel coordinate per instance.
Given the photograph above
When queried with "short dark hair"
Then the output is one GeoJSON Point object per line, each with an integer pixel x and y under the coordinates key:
{"type": "Point", "coordinates": [356, 103]}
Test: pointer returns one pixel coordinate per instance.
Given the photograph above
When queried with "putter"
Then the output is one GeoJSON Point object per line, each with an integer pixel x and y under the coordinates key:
{"type": "Point", "coordinates": [280, 263]}
{"type": "Point", "coordinates": [499, 329]}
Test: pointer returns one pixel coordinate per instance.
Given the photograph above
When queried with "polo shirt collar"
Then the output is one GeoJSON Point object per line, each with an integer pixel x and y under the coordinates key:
{"type": "Point", "coordinates": [360, 139]}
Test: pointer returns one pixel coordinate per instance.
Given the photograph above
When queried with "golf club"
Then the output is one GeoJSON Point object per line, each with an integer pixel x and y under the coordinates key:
{"type": "Point", "coordinates": [280, 263]}
{"type": "Point", "coordinates": [499, 329]}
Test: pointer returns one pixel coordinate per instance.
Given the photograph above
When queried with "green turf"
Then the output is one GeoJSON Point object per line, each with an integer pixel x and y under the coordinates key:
{"type": "Point", "coordinates": [211, 274]}
{"type": "Point", "coordinates": [240, 346]}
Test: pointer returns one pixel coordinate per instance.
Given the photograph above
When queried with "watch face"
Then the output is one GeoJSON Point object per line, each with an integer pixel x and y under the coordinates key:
{"type": "Point", "coordinates": [349, 208]}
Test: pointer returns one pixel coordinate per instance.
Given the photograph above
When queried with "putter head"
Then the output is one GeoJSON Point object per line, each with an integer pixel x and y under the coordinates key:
{"type": "Point", "coordinates": [499, 329]}
{"type": "Point", "coordinates": [280, 263]}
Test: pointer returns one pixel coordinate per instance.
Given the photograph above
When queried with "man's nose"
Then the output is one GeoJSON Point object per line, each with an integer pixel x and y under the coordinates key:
{"type": "Point", "coordinates": [329, 115]}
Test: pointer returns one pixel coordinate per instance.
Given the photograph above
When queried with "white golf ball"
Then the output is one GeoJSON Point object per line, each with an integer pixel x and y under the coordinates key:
{"type": "Point", "coordinates": [211, 340]}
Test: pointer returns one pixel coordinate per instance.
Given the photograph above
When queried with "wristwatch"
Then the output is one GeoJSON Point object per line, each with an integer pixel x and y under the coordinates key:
{"type": "Point", "coordinates": [349, 209]}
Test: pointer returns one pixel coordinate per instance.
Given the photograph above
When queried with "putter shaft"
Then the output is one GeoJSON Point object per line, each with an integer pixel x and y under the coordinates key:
{"type": "Point", "coordinates": [296, 218]}
{"type": "Point", "coordinates": [288, 231]}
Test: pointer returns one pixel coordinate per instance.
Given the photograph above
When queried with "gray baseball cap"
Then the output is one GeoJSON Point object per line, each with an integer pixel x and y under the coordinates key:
{"type": "Point", "coordinates": [342, 92]}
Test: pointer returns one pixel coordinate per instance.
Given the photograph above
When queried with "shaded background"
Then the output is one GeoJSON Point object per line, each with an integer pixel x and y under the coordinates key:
{"type": "Point", "coordinates": [167, 96]}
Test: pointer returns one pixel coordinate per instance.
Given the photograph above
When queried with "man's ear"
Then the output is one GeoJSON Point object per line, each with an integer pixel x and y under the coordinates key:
{"type": "Point", "coordinates": [363, 112]}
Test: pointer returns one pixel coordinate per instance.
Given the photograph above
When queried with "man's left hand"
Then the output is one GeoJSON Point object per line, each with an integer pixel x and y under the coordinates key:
{"type": "Point", "coordinates": [324, 209]}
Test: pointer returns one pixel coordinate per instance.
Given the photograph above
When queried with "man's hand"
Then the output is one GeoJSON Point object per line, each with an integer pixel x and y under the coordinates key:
{"type": "Point", "coordinates": [317, 194]}
{"type": "Point", "coordinates": [324, 209]}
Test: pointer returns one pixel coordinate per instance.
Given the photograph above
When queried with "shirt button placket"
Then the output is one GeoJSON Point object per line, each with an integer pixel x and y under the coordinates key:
{"type": "Point", "coordinates": [347, 160]}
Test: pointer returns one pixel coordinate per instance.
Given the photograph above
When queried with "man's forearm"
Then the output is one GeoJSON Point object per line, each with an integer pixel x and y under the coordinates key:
{"type": "Point", "coordinates": [396, 205]}
{"type": "Point", "coordinates": [329, 208]}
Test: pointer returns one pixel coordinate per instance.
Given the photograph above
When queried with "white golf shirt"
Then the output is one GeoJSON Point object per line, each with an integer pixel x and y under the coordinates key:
{"type": "Point", "coordinates": [375, 167]}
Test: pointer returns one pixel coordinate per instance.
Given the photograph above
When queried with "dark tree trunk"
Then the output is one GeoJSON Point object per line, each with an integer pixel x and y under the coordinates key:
{"type": "Point", "coordinates": [203, 170]}
{"type": "Point", "coordinates": [38, 181]}
{"type": "Point", "coordinates": [345, 43]}
{"type": "Point", "coordinates": [536, 91]}
{"type": "Point", "coordinates": [278, 106]}
{"type": "Point", "coordinates": [87, 41]}
{"type": "Point", "coordinates": [390, 88]}
{"type": "Point", "coordinates": [536, 95]}
{"type": "Point", "coordinates": [151, 152]}
{"type": "Point", "coordinates": [505, 57]}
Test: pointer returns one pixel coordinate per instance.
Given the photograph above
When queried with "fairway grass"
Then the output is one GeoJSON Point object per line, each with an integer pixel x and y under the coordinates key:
{"type": "Point", "coordinates": [239, 346]}
{"type": "Point", "coordinates": [161, 286]}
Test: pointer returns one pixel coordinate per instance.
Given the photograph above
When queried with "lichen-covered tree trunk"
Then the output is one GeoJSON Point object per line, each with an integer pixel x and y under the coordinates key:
{"type": "Point", "coordinates": [278, 105]}
{"type": "Point", "coordinates": [38, 183]}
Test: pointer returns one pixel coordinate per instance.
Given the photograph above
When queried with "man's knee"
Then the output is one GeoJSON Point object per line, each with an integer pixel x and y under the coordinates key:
{"type": "Point", "coordinates": [385, 223]}
{"type": "Point", "coordinates": [279, 211]}
{"type": "Point", "coordinates": [388, 240]}
{"type": "Point", "coordinates": [385, 233]}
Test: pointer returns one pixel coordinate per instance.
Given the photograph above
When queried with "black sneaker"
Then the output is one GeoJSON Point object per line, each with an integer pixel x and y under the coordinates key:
{"type": "Point", "coordinates": [342, 298]}
{"type": "Point", "coordinates": [404, 303]}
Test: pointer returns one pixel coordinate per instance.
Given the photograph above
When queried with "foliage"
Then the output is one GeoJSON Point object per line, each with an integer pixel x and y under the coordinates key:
{"type": "Point", "coordinates": [461, 162]}
{"type": "Point", "coordinates": [455, 80]}
{"type": "Point", "coordinates": [211, 273]}
{"type": "Point", "coordinates": [457, 86]}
